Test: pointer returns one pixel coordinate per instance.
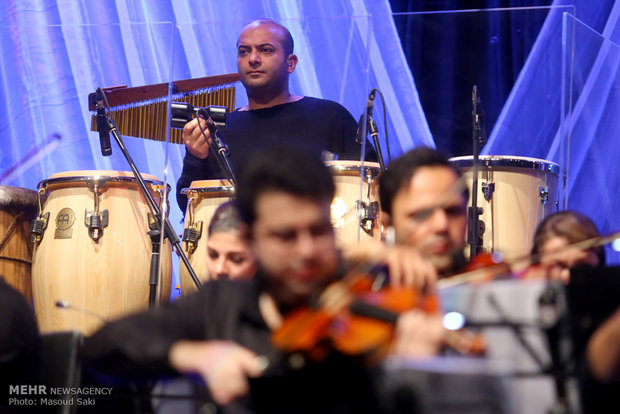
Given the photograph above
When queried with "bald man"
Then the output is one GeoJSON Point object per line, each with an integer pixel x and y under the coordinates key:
{"type": "Point", "coordinates": [273, 116]}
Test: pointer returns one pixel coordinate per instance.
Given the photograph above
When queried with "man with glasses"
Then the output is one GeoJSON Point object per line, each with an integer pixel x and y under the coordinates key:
{"type": "Point", "coordinates": [425, 202]}
{"type": "Point", "coordinates": [424, 214]}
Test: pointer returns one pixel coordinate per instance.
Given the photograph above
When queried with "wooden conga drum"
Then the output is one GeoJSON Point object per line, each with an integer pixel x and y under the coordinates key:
{"type": "Point", "coordinates": [204, 197]}
{"type": "Point", "coordinates": [18, 207]}
{"type": "Point", "coordinates": [355, 207]}
{"type": "Point", "coordinates": [102, 273]}
{"type": "Point", "coordinates": [515, 193]}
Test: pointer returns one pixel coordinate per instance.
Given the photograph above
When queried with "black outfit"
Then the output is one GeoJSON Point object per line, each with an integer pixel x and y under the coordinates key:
{"type": "Point", "coordinates": [592, 296]}
{"type": "Point", "coordinates": [137, 348]}
{"type": "Point", "coordinates": [311, 124]}
{"type": "Point", "coordinates": [19, 345]}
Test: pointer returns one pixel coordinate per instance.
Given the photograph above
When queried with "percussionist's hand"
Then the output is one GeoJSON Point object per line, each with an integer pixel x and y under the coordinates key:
{"type": "Point", "coordinates": [224, 366]}
{"type": "Point", "coordinates": [194, 140]}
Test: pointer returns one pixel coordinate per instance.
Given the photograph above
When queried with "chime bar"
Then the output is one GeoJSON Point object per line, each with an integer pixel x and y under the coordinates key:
{"type": "Point", "coordinates": [142, 111]}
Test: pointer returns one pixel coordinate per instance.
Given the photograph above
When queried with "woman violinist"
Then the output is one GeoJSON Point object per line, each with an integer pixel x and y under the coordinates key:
{"type": "Point", "coordinates": [553, 246]}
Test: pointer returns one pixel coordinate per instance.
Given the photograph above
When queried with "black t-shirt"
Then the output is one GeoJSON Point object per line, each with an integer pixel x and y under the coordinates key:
{"type": "Point", "coordinates": [312, 124]}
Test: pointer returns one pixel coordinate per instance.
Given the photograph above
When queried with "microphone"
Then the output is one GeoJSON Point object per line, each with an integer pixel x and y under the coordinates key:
{"type": "Point", "coordinates": [103, 126]}
{"type": "Point", "coordinates": [478, 115]}
{"type": "Point", "coordinates": [62, 304]}
{"type": "Point", "coordinates": [370, 104]}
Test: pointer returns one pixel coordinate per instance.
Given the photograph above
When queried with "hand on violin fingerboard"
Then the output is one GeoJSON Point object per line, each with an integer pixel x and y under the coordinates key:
{"type": "Point", "coordinates": [406, 266]}
{"type": "Point", "coordinates": [418, 334]}
{"type": "Point", "coordinates": [224, 366]}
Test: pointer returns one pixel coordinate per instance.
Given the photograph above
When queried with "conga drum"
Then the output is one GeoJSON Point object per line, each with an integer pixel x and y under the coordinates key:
{"type": "Point", "coordinates": [516, 193]}
{"type": "Point", "coordinates": [203, 198]}
{"type": "Point", "coordinates": [93, 250]}
{"type": "Point", "coordinates": [18, 207]}
{"type": "Point", "coordinates": [355, 208]}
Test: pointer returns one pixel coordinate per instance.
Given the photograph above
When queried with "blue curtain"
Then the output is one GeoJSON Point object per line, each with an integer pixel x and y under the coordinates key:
{"type": "Point", "coordinates": [55, 52]}
{"type": "Point", "coordinates": [572, 72]}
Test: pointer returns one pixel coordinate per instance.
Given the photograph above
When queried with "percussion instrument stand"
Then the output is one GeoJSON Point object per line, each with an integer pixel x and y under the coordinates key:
{"type": "Point", "coordinates": [220, 148]}
{"type": "Point", "coordinates": [474, 212]}
{"type": "Point", "coordinates": [553, 315]}
{"type": "Point", "coordinates": [374, 133]}
{"type": "Point", "coordinates": [156, 211]}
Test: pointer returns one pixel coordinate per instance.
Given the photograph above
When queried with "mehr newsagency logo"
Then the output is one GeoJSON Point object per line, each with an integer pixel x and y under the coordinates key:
{"type": "Point", "coordinates": [34, 395]}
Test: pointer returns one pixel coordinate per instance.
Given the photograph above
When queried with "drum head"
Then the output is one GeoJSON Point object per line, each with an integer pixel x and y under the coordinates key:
{"type": "Point", "coordinates": [209, 188]}
{"type": "Point", "coordinates": [507, 161]}
{"type": "Point", "coordinates": [15, 198]}
{"type": "Point", "coordinates": [353, 167]}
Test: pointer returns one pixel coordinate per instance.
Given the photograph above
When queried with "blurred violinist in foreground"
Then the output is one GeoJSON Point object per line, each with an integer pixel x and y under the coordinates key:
{"type": "Point", "coordinates": [219, 333]}
{"type": "Point", "coordinates": [228, 253]}
{"type": "Point", "coordinates": [552, 241]}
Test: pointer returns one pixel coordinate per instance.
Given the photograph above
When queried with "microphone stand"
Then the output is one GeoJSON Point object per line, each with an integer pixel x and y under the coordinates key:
{"type": "Point", "coordinates": [474, 212]}
{"type": "Point", "coordinates": [552, 308]}
{"type": "Point", "coordinates": [374, 133]}
{"type": "Point", "coordinates": [156, 211]}
{"type": "Point", "coordinates": [220, 148]}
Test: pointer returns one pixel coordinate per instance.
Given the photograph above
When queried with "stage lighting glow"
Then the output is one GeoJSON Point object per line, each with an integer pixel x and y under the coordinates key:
{"type": "Point", "coordinates": [338, 209]}
{"type": "Point", "coordinates": [453, 321]}
{"type": "Point", "coordinates": [616, 245]}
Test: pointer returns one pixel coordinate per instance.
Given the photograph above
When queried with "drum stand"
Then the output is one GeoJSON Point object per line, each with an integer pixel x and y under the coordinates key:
{"type": "Point", "coordinates": [473, 213]}
{"type": "Point", "coordinates": [156, 225]}
{"type": "Point", "coordinates": [552, 305]}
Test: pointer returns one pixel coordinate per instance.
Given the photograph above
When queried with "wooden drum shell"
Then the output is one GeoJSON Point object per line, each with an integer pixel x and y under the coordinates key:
{"type": "Point", "coordinates": [18, 207]}
{"type": "Point", "coordinates": [108, 278]}
{"type": "Point", "coordinates": [204, 197]}
{"type": "Point", "coordinates": [515, 206]}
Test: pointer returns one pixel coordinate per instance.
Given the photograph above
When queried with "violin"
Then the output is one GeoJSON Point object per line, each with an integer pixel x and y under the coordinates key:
{"type": "Point", "coordinates": [489, 266]}
{"type": "Point", "coordinates": [355, 318]}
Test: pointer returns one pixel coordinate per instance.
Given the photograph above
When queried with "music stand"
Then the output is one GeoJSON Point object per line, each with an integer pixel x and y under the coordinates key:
{"type": "Point", "coordinates": [447, 385]}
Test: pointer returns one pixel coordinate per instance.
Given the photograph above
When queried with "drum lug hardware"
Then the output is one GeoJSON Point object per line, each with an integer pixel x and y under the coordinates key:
{"type": "Point", "coordinates": [96, 223]}
{"type": "Point", "coordinates": [368, 213]}
{"type": "Point", "coordinates": [38, 227]}
{"type": "Point", "coordinates": [544, 194]}
{"type": "Point", "coordinates": [150, 219]}
{"type": "Point", "coordinates": [191, 236]}
{"type": "Point", "coordinates": [488, 189]}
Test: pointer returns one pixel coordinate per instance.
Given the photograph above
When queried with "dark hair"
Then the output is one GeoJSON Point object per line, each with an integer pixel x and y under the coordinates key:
{"type": "Point", "coordinates": [401, 170]}
{"type": "Point", "coordinates": [285, 170]}
{"type": "Point", "coordinates": [570, 225]}
{"type": "Point", "coordinates": [225, 219]}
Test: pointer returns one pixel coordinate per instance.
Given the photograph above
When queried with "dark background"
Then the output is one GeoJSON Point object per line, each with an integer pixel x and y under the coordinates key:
{"type": "Point", "coordinates": [448, 54]}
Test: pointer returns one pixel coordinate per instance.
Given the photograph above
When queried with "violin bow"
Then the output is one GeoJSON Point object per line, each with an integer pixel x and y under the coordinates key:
{"type": "Point", "coordinates": [481, 274]}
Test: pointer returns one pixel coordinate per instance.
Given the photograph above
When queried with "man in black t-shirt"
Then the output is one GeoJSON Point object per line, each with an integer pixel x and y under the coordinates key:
{"type": "Point", "coordinates": [273, 116]}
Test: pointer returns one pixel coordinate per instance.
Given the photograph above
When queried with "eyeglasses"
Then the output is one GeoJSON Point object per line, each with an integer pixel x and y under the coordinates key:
{"type": "Point", "coordinates": [450, 211]}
